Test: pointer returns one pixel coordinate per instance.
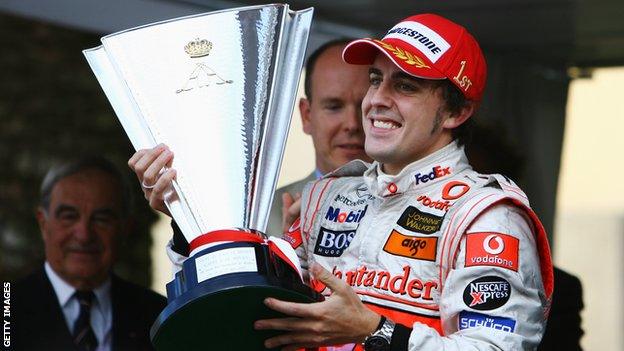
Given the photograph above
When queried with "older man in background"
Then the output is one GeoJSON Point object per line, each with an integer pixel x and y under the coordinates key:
{"type": "Point", "coordinates": [75, 302]}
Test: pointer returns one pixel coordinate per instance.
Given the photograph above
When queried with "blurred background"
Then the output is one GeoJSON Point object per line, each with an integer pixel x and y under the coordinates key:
{"type": "Point", "coordinates": [556, 76]}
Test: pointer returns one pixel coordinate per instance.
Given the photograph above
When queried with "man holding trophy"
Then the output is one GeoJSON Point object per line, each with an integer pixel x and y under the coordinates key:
{"type": "Point", "coordinates": [415, 251]}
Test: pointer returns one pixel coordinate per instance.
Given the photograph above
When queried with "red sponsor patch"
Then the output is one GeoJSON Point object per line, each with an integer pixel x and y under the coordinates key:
{"type": "Point", "coordinates": [293, 235]}
{"type": "Point", "coordinates": [492, 249]}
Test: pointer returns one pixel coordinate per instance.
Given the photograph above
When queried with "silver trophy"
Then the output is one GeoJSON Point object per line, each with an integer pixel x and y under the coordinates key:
{"type": "Point", "coordinates": [219, 90]}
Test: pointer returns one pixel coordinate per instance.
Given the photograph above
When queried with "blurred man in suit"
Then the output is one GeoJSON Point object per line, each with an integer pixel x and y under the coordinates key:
{"type": "Point", "coordinates": [331, 114]}
{"type": "Point", "coordinates": [489, 152]}
{"type": "Point", "coordinates": [75, 302]}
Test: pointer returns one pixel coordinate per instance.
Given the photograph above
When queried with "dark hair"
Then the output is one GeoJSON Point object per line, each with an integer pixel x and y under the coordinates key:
{"type": "Point", "coordinates": [455, 101]}
{"type": "Point", "coordinates": [66, 169]}
{"type": "Point", "coordinates": [311, 63]}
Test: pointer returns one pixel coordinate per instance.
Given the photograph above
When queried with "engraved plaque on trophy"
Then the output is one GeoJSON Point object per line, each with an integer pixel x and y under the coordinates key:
{"type": "Point", "coordinates": [219, 90]}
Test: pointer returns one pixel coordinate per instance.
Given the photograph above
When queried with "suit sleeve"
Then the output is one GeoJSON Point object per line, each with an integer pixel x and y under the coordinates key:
{"type": "Point", "coordinates": [493, 298]}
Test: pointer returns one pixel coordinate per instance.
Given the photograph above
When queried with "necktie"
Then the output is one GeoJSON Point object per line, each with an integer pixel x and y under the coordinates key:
{"type": "Point", "coordinates": [83, 334]}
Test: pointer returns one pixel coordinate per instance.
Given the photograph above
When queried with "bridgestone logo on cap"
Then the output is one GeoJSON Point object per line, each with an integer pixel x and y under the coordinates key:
{"type": "Point", "coordinates": [424, 39]}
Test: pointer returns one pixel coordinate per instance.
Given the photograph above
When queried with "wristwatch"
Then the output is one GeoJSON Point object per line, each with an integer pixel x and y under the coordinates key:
{"type": "Point", "coordinates": [380, 339]}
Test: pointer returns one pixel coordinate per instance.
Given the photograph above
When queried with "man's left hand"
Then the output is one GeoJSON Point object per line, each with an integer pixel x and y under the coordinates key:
{"type": "Point", "coordinates": [341, 319]}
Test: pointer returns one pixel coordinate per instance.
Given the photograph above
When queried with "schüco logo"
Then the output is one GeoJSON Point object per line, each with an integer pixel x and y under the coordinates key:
{"type": "Point", "coordinates": [436, 172]}
{"type": "Point", "coordinates": [331, 243]}
{"type": "Point", "coordinates": [469, 320]}
{"type": "Point", "coordinates": [335, 215]}
{"type": "Point", "coordinates": [487, 293]}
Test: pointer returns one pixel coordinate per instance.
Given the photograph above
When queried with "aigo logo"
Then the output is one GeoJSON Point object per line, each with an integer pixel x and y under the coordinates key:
{"type": "Point", "coordinates": [492, 249]}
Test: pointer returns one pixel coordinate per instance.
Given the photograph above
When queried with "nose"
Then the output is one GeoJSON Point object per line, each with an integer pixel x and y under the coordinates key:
{"type": "Point", "coordinates": [379, 96]}
{"type": "Point", "coordinates": [83, 230]}
{"type": "Point", "coordinates": [353, 118]}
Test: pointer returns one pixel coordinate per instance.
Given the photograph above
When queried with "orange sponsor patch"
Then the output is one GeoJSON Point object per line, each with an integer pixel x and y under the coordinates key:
{"type": "Point", "coordinates": [420, 248]}
{"type": "Point", "coordinates": [492, 249]}
{"type": "Point", "coordinates": [293, 235]}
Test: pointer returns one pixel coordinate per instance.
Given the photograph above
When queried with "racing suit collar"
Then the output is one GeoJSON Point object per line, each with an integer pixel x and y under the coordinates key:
{"type": "Point", "coordinates": [419, 174]}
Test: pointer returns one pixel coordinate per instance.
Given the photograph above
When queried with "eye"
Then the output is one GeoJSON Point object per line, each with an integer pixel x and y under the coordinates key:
{"type": "Point", "coordinates": [333, 106]}
{"type": "Point", "coordinates": [68, 216]}
{"type": "Point", "coordinates": [104, 219]}
{"type": "Point", "coordinates": [406, 87]}
{"type": "Point", "coordinates": [374, 79]}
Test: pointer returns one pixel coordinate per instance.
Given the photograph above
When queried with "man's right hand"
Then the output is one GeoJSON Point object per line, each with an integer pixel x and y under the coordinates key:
{"type": "Point", "coordinates": [291, 209]}
{"type": "Point", "coordinates": [152, 167]}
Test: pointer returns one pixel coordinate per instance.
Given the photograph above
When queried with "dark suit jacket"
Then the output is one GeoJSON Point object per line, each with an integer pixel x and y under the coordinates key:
{"type": "Point", "coordinates": [563, 331]}
{"type": "Point", "coordinates": [274, 226]}
{"type": "Point", "coordinates": [39, 323]}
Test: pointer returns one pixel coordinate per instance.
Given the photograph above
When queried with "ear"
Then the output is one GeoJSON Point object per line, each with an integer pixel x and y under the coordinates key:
{"type": "Point", "coordinates": [42, 220]}
{"type": "Point", "coordinates": [455, 120]}
{"type": "Point", "coordinates": [304, 110]}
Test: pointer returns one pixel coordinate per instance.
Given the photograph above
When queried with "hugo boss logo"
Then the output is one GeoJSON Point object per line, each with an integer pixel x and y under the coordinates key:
{"type": "Point", "coordinates": [331, 243]}
{"type": "Point", "coordinates": [487, 293]}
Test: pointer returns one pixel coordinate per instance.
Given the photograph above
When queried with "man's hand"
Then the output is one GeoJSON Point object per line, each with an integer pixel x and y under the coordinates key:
{"type": "Point", "coordinates": [149, 166]}
{"type": "Point", "coordinates": [291, 208]}
{"type": "Point", "coordinates": [341, 319]}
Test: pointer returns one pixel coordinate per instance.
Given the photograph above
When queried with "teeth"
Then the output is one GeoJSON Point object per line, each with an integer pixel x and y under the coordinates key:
{"type": "Point", "coordinates": [384, 125]}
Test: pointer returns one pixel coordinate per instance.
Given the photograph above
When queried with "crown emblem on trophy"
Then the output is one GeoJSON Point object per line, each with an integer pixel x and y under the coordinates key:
{"type": "Point", "coordinates": [202, 75]}
{"type": "Point", "coordinates": [198, 48]}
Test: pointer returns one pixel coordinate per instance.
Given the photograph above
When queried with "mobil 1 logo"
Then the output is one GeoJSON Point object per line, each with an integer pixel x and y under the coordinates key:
{"type": "Point", "coordinates": [331, 243]}
{"type": "Point", "coordinates": [487, 293]}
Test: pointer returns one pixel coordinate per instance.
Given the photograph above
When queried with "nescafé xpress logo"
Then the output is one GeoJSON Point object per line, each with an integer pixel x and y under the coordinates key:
{"type": "Point", "coordinates": [487, 293]}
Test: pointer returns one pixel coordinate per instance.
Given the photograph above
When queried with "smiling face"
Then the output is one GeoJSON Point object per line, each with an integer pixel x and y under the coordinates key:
{"type": "Point", "coordinates": [333, 114]}
{"type": "Point", "coordinates": [81, 227]}
{"type": "Point", "coordinates": [405, 117]}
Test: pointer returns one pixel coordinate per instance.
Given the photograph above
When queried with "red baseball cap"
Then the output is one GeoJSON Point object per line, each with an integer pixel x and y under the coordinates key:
{"type": "Point", "coordinates": [430, 47]}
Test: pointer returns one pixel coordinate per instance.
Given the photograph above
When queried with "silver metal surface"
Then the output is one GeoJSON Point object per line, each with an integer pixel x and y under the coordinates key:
{"type": "Point", "coordinates": [219, 90]}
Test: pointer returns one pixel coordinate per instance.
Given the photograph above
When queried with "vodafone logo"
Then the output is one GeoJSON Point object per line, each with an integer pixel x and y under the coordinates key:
{"type": "Point", "coordinates": [492, 249]}
{"type": "Point", "coordinates": [454, 190]}
{"type": "Point", "coordinates": [493, 244]}
{"type": "Point", "coordinates": [295, 226]}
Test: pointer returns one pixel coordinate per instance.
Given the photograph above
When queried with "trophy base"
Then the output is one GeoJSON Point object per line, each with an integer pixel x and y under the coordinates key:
{"type": "Point", "coordinates": [219, 313]}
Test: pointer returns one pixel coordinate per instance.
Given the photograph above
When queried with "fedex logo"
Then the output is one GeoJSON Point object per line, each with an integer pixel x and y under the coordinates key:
{"type": "Point", "coordinates": [335, 215]}
{"type": "Point", "coordinates": [436, 172]}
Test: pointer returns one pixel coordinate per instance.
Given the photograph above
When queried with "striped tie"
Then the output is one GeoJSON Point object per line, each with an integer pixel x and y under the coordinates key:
{"type": "Point", "coordinates": [83, 334]}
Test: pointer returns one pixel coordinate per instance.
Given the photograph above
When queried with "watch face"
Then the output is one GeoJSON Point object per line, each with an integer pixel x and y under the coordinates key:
{"type": "Point", "coordinates": [376, 343]}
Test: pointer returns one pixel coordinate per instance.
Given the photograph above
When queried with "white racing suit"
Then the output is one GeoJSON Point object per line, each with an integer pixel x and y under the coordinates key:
{"type": "Point", "coordinates": [457, 256]}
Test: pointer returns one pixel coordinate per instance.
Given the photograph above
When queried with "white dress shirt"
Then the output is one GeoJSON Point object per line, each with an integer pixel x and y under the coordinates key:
{"type": "Point", "coordinates": [101, 309]}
